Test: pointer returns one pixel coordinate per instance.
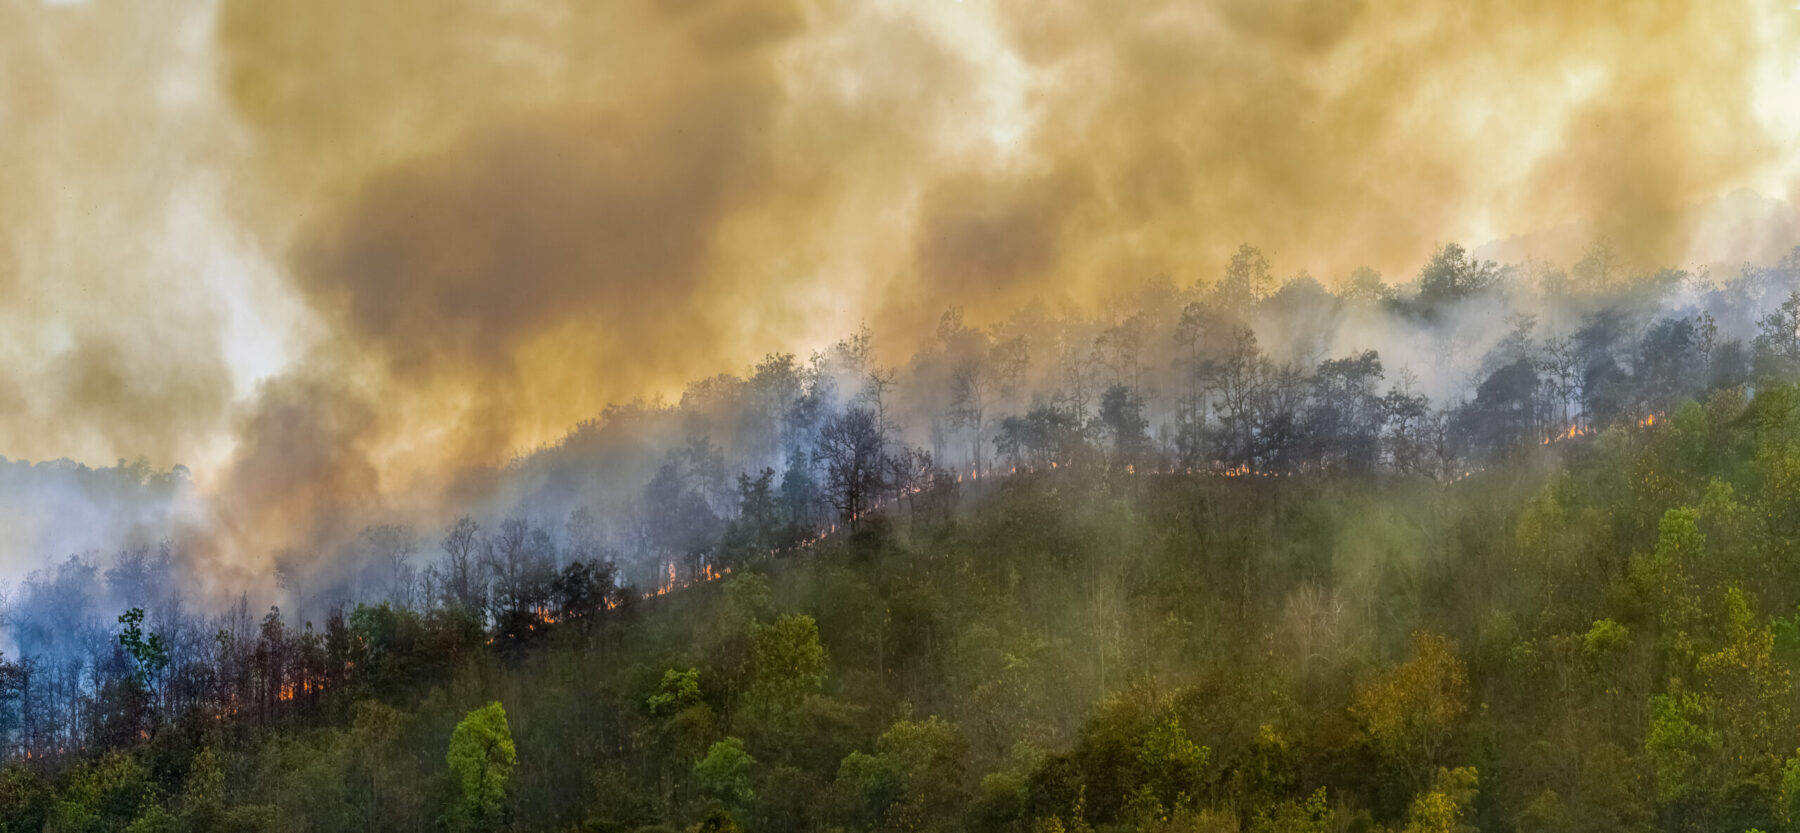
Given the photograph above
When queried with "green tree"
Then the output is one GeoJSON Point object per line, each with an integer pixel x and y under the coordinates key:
{"type": "Point", "coordinates": [1678, 741]}
{"type": "Point", "coordinates": [1412, 711]}
{"type": "Point", "coordinates": [1445, 809]}
{"type": "Point", "coordinates": [105, 793]}
{"type": "Point", "coordinates": [678, 690]}
{"type": "Point", "coordinates": [151, 652]}
{"type": "Point", "coordinates": [1171, 771]}
{"type": "Point", "coordinates": [724, 772]}
{"type": "Point", "coordinates": [481, 760]}
{"type": "Point", "coordinates": [1309, 815]}
{"type": "Point", "coordinates": [157, 819]}
{"type": "Point", "coordinates": [913, 781]}
{"type": "Point", "coordinates": [1747, 692]}
{"type": "Point", "coordinates": [688, 723]}
{"type": "Point", "coordinates": [26, 800]}
{"type": "Point", "coordinates": [790, 662]}
{"type": "Point", "coordinates": [378, 775]}
{"type": "Point", "coordinates": [1664, 579]}
{"type": "Point", "coordinates": [1453, 275]}
{"type": "Point", "coordinates": [203, 801]}
{"type": "Point", "coordinates": [747, 599]}
{"type": "Point", "coordinates": [1605, 638]}
{"type": "Point", "coordinates": [1790, 792]}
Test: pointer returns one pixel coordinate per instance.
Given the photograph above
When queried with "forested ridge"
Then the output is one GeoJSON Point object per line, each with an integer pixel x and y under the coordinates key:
{"type": "Point", "coordinates": [1173, 579]}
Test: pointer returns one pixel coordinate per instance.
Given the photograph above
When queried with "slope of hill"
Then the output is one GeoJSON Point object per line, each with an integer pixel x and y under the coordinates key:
{"type": "Point", "coordinates": [1598, 635]}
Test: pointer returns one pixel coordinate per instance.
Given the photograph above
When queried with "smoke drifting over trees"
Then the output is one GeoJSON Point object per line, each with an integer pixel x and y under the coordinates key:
{"type": "Point", "coordinates": [426, 338]}
{"type": "Point", "coordinates": [423, 238]}
{"type": "Point", "coordinates": [1246, 375]}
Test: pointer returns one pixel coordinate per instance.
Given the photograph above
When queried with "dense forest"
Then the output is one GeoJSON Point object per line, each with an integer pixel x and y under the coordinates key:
{"type": "Point", "coordinates": [1500, 548]}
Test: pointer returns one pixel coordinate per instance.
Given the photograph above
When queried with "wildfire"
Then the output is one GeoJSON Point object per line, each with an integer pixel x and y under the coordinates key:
{"type": "Point", "coordinates": [290, 691]}
{"type": "Point", "coordinates": [1576, 430]}
{"type": "Point", "coordinates": [707, 572]}
{"type": "Point", "coordinates": [666, 586]}
{"type": "Point", "coordinates": [1466, 474]}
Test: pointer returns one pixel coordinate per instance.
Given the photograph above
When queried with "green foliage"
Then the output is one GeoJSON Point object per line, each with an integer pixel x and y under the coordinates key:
{"type": "Point", "coordinates": [688, 723]}
{"type": "Point", "coordinates": [1790, 792]}
{"type": "Point", "coordinates": [26, 800]}
{"type": "Point", "coordinates": [1003, 793]}
{"type": "Point", "coordinates": [155, 819]}
{"type": "Point", "coordinates": [481, 759]}
{"type": "Point", "coordinates": [1748, 692]}
{"type": "Point", "coordinates": [1605, 638]}
{"type": "Point", "coordinates": [725, 771]}
{"type": "Point", "coordinates": [362, 776]}
{"type": "Point", "coordinates": [913, 780]}
{"type": "Point", "coordinates": [748, 599]}
{"type": "Point", "coordinates": [1677, 742]}
{"type": "Point", "coordinates": [1171, 771]}
{"type": "Point", "coordinates": [1170, 653]}
{"type": "Point", "coordinates": [1545, 813]}
{"type": "Point", "coordinates": [203, 801]}
{"type": "Point", "coordinates": [1678, 536]}
{"type": "Point", "coordinates": [1412, 710]}
{"type": "Point", "coordinates": [790, 662]}
{"type": "Point", "coordinates": [1446, 808]}
{"type": "Point", "coordinates": [1311, 814]}
{"type": "Point", "coordinates": [678, 690]}
{"type": "Point", "coordinates": [151, 652]}
{"type": "Point", "coordinates": [106, 793]}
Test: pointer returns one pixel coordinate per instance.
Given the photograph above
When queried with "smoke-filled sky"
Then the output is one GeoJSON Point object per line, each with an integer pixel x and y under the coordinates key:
{"type": "Point", "coordinates": [336, 248]}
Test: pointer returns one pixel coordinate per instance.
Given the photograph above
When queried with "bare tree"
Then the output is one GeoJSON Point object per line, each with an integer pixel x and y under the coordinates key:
{"type": "Point", "coordinates": [392, 547]}
{"type": "Point", "coordinates": [462, 582]}
{"type": "Point", "coordinates": [1560, 365]}
{"type": "Point", "coordinates": [856, 351]}
{"type": "Point", "coordinates": [1118, 348]}
{"type": "Point", "coordinates": [876, 386]}
{"type": "Point", "coordinates": [1076, 393]}
{"type": "Point", "coordinates": [289, 577]}
{"type": "Point", "coordinates": [968, 409]}
{"type": "Point", "coordinates": [850, 445]}
{"type": "Point", "coordinates": [1236, 385]}
{"type": "Point", "coordinates": [507, 554]}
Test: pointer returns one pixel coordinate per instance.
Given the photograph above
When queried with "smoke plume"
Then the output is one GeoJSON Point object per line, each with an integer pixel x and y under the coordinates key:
{"type": "Point", "coordinates": [346, 259]}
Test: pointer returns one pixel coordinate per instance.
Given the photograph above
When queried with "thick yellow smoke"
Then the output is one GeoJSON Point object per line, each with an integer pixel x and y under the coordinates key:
{"type": "Point", "coordinates": [481, 222]}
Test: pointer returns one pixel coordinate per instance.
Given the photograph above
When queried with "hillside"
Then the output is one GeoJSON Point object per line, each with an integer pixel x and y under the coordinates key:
{"type": "Point", "coordinates": [1597, 635]}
